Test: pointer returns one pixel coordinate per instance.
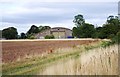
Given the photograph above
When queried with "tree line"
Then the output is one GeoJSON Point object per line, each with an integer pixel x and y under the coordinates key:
{"type": "Point", "coordinates": [11, 32]}
{"type": "Point", "coordinates": [109, 30]}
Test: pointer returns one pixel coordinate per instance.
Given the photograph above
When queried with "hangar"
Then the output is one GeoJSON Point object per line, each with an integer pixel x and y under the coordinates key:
{"type": "Point", "coordinates": [57, 32]}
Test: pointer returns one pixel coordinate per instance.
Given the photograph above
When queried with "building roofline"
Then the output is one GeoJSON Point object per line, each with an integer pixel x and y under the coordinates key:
{"type": "Point", "coordinates": [61, 28]}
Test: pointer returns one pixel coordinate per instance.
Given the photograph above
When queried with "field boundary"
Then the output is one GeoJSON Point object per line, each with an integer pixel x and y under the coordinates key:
{"type": "Point", "coordinates": [49, 39]}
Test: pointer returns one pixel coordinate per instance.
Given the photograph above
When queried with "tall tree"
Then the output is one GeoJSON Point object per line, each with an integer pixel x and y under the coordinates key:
{"type": "Point", "coordinates": [83, 29]}
{"type": "Point", "coordinates": [33, 29]}
{"type": "Point", "coordinates": [10, 33]}
{"type": "Point", "coordinates": [87, 30]}
{"type": "Point", "coordinates": [79, 20]}
{"type": "Point", "coordinates": [111, 28]}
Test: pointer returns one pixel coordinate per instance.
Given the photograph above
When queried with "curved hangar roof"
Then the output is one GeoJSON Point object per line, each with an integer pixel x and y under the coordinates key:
{"type": "Point", "coordinates": [61, 28]}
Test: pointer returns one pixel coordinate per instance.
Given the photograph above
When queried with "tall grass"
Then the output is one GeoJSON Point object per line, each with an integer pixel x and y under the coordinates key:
{"type": "Point", "coordinates": [99, 61]}
{"type": "Point", "coordinates": [64, 61]}
{"type": "Point", "coordinates": [33, 64]}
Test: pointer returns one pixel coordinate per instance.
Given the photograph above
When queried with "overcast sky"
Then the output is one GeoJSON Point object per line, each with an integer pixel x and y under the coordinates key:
{"type": "Point", "coordinates": [24, 13]}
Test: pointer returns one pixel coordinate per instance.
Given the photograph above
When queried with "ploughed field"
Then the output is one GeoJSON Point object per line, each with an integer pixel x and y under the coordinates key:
{"type": "Point", "coordinates": [15, 50]}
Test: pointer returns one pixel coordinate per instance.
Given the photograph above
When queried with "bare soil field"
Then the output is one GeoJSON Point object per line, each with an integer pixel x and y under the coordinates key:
{"type": "Point", "coordinates": [13, 50]}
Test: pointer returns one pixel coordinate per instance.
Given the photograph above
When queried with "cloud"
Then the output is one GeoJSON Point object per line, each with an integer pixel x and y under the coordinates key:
{"type": "Point", "coordinates": [54, 13]}
{"type": "Point", "coordinates": [49, 12]}
{"type": "Point", "coordinates": [40, 15]}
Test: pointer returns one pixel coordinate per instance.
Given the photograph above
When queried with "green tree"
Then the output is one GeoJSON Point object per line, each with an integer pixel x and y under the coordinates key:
{"type": "Point", "coordinates": [87, 30]}
{"type": "Point", "coordinates": [79, 20]}
{"type": "Point", "coordinates": [33, 29]}
{"type": "Point", "coordinates": [75, 32]}
{"type": "Point", "coordinates": [0, 34]}
{"type": "Point", "coordinates": [10, 33]}
{"type": "Point", "coordinates": [23, 36]}
{"type": "Point", "coordinates": [110, 29]}
{"type": "Point", "coordinates": [42, 28]}
{"type": "Point", "coordinates": [83, 30]}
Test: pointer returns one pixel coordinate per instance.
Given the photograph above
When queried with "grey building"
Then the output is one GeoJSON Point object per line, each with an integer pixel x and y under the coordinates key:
{"type": "Point", "coordinates": [58, 32]}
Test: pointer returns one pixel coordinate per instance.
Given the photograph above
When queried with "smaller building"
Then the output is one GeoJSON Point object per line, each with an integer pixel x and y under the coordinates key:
{"type": "Point", "coordinates": [57, 32]}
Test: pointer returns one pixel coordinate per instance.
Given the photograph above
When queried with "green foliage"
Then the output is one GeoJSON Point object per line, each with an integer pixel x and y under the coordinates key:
{"type": "Point", "coordinates": [79, 20]}
{"type": "Point", "coordinates": [31, 37]}
{"type": "Point", "coordinates": [110, 29]}
{"type": "Point", "coordinates": [83, 30]}
{"type": "Point", "coordinates": [33, 29]}
{"type": "Point", "coordinates": [118, 36]}
{"type": "Point", "coordinates": [42, 28]}
{"type": "Point", "coordinates": [116, 39]}
{"type": "Point", "coordinates": [0, 34]}
{"type": "Point", "coordinates": [49, 37]}
{"type": "Point", "coordinates": [106, 43]}
{"type": "Point", "coordinates": [87, 30]}
{"type": "Point", "coordinates": [23, 36]}
{"type": "Point", "coordinates": [75, 32]}
{"type": "Point", "coordinates": [10, 33]}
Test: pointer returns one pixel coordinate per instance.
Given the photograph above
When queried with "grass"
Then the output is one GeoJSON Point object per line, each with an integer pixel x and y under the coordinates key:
{"type": "Point", "coordinates": [99, 61]}
{"type": "Point", "coordinates": [35, 65]}
{"type": "Point", "coordinates": [27, 66]}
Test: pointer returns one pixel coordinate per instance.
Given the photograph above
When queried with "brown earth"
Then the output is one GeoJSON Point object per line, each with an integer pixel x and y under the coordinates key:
{"type": "Point", "coordinates": [12, 50]}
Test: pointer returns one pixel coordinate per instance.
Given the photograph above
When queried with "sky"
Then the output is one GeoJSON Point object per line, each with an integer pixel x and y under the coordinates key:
{"type": "Point", "coordinates": [21, 14]}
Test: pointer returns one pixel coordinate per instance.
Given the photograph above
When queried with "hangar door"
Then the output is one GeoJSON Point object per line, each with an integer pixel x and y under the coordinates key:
{"type": "Point", "coordinates": [59, 34]}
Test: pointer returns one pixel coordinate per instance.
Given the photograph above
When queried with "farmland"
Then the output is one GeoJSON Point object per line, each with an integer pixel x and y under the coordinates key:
{"type": "Point", "coordinates": [16, 50]}
{"type": "Point", "coordinates": [58, 57]}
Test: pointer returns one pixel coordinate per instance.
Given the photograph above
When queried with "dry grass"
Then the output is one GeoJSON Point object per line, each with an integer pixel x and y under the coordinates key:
{"type": "Point", "coordinates": [99, 61]}
{"type": "Point", "coordinates": [32, 64]}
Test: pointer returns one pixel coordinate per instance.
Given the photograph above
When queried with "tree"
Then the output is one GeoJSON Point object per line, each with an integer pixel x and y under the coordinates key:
{"type": "Point", "coordinates": [79, 20]}
{"type": "Point", "coordinates": [10, 33]}
{"type": "Point", "coordinates": [23, 36]}
{"type": "Point", "coordinates": [109, 18]}
{"type": "Point", "coordinates": [112, 26]}
{"type": "Point", "coordinates": [88, 30]}
{"type": "Point", "coordinates": [97, 33]}
{"type": "Point", "coordinates": [110, 29]}
{"type": "Point", "coordinates": [0, 34]}
{"type": "Point", "coordinates": [42, 28]}
{"type": "Point", "coordinates": [33, 29]}
{"type": "Point", "coordinates": [83, 30]}
{"type": "Point", "coordinates": [75, 32]}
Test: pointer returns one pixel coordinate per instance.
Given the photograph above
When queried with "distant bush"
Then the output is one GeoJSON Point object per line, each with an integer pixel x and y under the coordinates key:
{"type": "Point", "coordinates": [116, 39]}
{"type": "Point", "coordinates": [49, 37]}
{"type": "Point", "coordinates": [31, 37]}
{"type": "Point", "coordinates": [106, 43]}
